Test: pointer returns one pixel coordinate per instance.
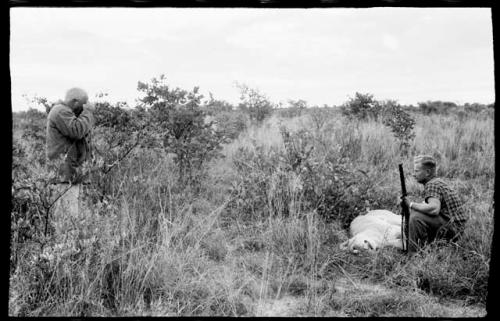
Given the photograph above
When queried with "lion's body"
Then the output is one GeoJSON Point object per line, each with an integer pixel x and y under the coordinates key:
{"type": "Point", "coordinates": [374, 230]}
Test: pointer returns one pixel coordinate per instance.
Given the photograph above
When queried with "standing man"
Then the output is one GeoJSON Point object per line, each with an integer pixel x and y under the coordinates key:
{"type": "Point", "coordinates": [69, 125]}
{"type": "Point", "coordinates": [441, 215]}
{"type": "Point", "coordinates": [68, 133]}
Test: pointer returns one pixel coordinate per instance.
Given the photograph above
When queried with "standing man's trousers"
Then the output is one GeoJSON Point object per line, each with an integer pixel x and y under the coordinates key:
{"type": "Point", "coordinates": [67, 211]}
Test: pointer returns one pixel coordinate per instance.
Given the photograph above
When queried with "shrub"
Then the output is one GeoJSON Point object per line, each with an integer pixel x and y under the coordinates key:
{"type": "Point", "coordinates": [118, 132]}
{"type": "Point", "coordinates": [295, 108]}
{"type": "Point", "coordinates": [400, 123]}
{"type": "Point", "coordinates": [177, 116]}
{"type": "Point", "coordinates": [47, 273]}
{"type": "Point", "coordinates": [255, 104]}
{"type": "Point", "coordinates": [361, 107]}
{"type": "Point", "coordinates": [32, 197]}
{"type": "Point", "coordinates": [254, 166]}
{"type": "Point", "coordinates": [214, 106]}
{"type": "Point", "coordinates": [324, 183]}
{"type": "Point", "coordinates": [319, 117]}
{"type": "Point", "coordinates": [230, 123]}
{"type": "Point", "coordinates": [39, 102]}
{"type": "Point", "coordinates": [436, 107]}
{"type": "Point", "coordinates": [298, 148]}
{"type": "Point", "coordinates": [475, 107]}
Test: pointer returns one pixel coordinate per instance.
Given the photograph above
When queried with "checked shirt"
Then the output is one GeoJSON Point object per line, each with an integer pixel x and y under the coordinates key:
{"type": "Point", "coordinates": [451, 205]}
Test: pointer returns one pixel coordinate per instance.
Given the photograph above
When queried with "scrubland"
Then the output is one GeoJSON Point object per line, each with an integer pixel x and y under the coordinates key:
{"type": "Point", "coordinates": [261, 234]}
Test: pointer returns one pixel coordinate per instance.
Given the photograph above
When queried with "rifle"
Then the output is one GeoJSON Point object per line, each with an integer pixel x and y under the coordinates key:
{"type": "Point", "coordinates": [405, 213]}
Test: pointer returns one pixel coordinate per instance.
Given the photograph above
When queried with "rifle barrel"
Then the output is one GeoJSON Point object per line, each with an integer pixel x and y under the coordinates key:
{"type": "Point", "coordinates": [402, 178]}
{"type": "Point", "coordinates": [405, 217]}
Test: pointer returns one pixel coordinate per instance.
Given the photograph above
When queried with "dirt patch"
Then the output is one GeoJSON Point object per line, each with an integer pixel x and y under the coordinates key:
{"type": "Point", "coordinates": [456, 309]}
{"type": "Point", "coordinates": [344, 285]}
{"type": "Point", "coordinates": [347, 297]}
{"type": "Point", "coordinates": [287, 306]}
{"type": "Point", "coordinates": [357, 298]}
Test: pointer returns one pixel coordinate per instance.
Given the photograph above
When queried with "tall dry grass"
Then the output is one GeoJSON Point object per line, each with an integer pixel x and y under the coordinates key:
{"type": "Point", "coordinates": [154, 248]}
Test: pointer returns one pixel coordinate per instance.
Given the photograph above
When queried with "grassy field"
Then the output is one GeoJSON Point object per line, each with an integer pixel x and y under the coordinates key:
{"type": "Point", "coordinates": [250, 244]}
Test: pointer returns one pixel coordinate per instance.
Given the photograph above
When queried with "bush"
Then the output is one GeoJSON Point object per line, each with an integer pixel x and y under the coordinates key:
{"type": "Point", "coordinates": [400, 123]}
{"type": "Point", "coordinates": [319, 117]}
{"type": "Point", "coordinates": [214, 106]}
{"type": "Point", "coordinates": [361, 107]}
{"type": "Point", "coordinates": [119, 131]}
{"type": "Point", "coordinates": [436, 107]}
{"type": "Point", "coordinates": [274, 179]}
{"type": "Point", "coordinates": [295, 109]}
{"type": "Point", "coordinates": [230, 123]}
{"type": "Point", "coordinates": [254, 167]}
{"type": "Point", "coordinates": [33, 195]}
{"type": "Point", "coordinates": [177, 116]}
{"type": "Point", "coordinates": [255, 104]}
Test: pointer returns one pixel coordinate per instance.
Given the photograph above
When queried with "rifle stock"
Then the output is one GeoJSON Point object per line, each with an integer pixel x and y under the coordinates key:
{"type": "Point", "coordinates": [405, 213]}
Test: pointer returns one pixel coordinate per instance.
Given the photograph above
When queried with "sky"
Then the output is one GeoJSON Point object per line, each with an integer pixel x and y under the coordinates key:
{"type": "Point", "coordinates": [322, 56]}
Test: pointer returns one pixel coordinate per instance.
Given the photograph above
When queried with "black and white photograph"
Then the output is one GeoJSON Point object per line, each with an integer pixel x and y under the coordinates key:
{"type": "Point", "coordinates": [251, 162]}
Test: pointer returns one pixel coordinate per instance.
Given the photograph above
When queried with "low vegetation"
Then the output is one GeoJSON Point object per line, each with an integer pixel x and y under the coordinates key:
{"type": "Point", "coordinates": [189, 217]}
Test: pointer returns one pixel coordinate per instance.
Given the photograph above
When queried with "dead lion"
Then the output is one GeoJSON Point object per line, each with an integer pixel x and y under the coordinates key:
{"type": "Point", "coordinates": [376, 229]}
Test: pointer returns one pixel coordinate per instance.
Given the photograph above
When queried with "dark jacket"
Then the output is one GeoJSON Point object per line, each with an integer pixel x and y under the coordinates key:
{"type": "Point", "coordinates": [68, 135]}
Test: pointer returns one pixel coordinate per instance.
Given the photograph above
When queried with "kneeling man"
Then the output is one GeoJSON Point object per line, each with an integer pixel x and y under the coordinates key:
{"type": "Point", "coordinates": [441, 215]}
